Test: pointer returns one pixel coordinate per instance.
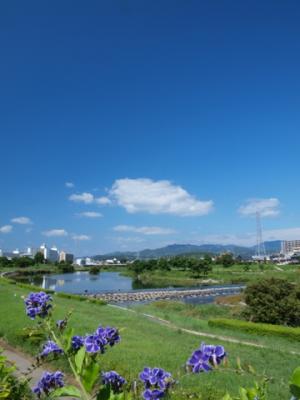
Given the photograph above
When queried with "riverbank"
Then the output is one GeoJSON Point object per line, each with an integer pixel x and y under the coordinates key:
{"type": "Point", "coordinates": [141, 338]}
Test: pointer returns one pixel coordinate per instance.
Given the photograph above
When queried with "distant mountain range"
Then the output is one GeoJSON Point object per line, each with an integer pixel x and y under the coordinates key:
{"type": "Point", "coordinates": [189, 249]}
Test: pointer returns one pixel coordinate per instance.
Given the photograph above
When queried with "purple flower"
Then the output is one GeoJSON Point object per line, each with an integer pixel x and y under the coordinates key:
{"type": "Point", "coordinates": [113, 379]}
{"type": "Point", "coordinates": [215, 353]}
{"type": "Point", "coordinates": [93, 344]}
{"type": "Point", "coordinates": [153, 394]}
{"type": "Point", "coordinates": [97, 341]}
{"type": "Point", "coordinates": [61, 324]}
{"type": "Point", "coordinates": [77, 342]}
{"type": "Point", "coordinates": [156, 377]}
{"type": "Point", "coordinates": [206, 357]}
{"type": "Point", "coordinates": [37, 305]}
{"type": "Point", "coordinates": [108, 335]}
{"type": "Point", "coordinates": [50, 347]}
{"type": "Point", "coordinates": [199, 362]}
{"type": "Point", "coordinates": [49, 381]}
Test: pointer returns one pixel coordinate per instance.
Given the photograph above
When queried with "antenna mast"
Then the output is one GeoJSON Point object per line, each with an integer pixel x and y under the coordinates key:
{"type": "Point", "coordinates": [260, 245]}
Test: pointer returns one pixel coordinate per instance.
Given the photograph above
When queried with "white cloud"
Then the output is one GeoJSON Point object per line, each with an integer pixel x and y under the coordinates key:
{"type": "Point", "coordinates": [81, 237]}
{"type": "Point", "coordinates": [91, 214]}
{"type": "Point", "coordinates": [103, 200]}
{"type": "Point", "coordinates": [55, 232]}
{"type": "Point", "coordinates": [6, 229]}
{"type": "Point", "coordinates": [157, 197]}
{"type": "Point", "coordinates": [249, 239]}
{"type": "Point", "coordinates": [266, 207]}
{"type": "Point", "coordinates": [86, 198]}
{"type": "Point", "coordinates": [69, 184]}
{"type": "Point", "coordinates": [145, 230]}
{"type": "Point", "coordinates": [22, 220]}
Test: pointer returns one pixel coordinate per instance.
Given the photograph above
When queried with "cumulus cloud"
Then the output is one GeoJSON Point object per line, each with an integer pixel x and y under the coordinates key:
{"type": "Point", "coordinates": [89, 198]}
{"type": "Point", "coordinates": [69, 184]}
{"type": "Point", "coordinates": [157, 197]}
{"type": "Point", "coordinates": [103, 200]}
{"type": "Point", "coordinates": [91, 214]}
{"type": "Point", "coordinates": [21, 220]}
{"type": "Point", "coordinates": [84, 197]}
{"type": "Point", "coordinates": [55, 233]}
{"type": "Point", "coordinates": [145, 230]}
{"type": "Point", "coordinates": [81, 237]}
{"type": "Point", "coordinates": [266, 207]}
{"type": "Point", "coordinates": [6, 229]}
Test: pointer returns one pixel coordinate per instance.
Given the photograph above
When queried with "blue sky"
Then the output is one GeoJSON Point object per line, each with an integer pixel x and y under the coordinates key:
{"type": "Point", "coordinates": [181, 117]}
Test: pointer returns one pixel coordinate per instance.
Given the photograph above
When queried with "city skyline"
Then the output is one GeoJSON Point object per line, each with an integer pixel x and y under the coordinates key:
{"type": "Point", "coordinates": [126, 128]}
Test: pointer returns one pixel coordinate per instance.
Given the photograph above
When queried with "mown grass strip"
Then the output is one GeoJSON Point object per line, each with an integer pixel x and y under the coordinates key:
{"type": "Point", "coordinates": [256, 328]}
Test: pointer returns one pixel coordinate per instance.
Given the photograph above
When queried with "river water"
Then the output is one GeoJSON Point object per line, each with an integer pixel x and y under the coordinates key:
{"type": "Point", "coordinates": [85, 283]}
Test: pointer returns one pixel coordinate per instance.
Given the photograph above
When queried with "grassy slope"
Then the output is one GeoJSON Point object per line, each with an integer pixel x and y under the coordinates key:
{"type": "Point", "coordinates": [146, 343]}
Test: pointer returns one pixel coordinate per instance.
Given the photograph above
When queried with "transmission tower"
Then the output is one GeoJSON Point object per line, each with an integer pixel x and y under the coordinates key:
{"type": "Point", "coordinates": [260, 245]}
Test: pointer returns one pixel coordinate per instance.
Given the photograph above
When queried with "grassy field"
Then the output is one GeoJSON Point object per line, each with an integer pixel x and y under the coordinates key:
{"type": "Point", "coordinates": [220, 275]}
{"type": "Point", "coordinates": [146, 343]}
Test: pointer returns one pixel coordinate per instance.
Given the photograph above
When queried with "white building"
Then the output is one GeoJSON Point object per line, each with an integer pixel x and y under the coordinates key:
{"type": "Point", "coordinates": [51, 254]}
{"type": "Point", "coordinates": [290, 247]}
{"type": "Point", "coordinates": [80, 262]}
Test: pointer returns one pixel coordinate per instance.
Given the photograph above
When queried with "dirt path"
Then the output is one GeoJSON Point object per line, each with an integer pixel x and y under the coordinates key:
{"type": "Point", "coordinates": [169, 324]}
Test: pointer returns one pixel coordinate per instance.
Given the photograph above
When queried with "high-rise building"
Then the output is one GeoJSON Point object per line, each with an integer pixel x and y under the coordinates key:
{"type": "Point", "coordinates": [66, 257]}
{"type": "Point", "coordinates": [290, 247]}
{"type": "Point", "coordinates": [49, 254]}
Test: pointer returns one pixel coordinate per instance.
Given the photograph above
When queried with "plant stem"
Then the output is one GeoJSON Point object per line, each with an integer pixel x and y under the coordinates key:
{"type": "Point", "coordinates": [77, 377]}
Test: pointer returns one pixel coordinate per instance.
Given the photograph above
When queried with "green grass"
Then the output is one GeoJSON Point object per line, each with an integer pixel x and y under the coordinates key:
{"type": "Point", "coordinates": [147, 343]}
{"type": "Point", "coordinates": [220, 275]}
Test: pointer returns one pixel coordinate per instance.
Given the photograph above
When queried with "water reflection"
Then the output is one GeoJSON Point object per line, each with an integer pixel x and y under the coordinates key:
{"type": "Point", "coordinates": [80, 282]}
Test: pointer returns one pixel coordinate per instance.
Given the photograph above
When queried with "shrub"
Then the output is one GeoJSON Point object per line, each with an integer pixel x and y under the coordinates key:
{"type": "Point", "coordinates": [273, 301]}
{"type": "Point", "coordinates": [256, 328]}
{"type": "Point", "coordinates": [10, 387]}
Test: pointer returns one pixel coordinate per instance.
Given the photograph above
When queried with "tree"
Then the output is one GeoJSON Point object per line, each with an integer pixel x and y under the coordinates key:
{"type": "Point", "coordinates": [39, 258]}
{"type": "Point", "coordinates": [200, 267]}
{"type": "Point", "coordinates": [226, 260]}
{"type": "Point", "coordinates": [163, 264]}
{"type": "Point", "coordinates": [23, 262]}
{"type": "Point", "coordinates": [5, 262]}
{"type": "Point", "coordinates": [274, 301]}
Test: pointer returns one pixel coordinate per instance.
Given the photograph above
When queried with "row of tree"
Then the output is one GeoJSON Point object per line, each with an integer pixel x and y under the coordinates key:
{"type": "Point", "coordinates": [198, 266]}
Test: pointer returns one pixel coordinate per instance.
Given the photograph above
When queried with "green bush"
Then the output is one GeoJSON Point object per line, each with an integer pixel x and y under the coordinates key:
{"type": "Point", "coordinates": [273, 301]}
{"type": "Point", "coordinates": [256, 328]}
{"type": "Point", "coordinates": [12, 388]}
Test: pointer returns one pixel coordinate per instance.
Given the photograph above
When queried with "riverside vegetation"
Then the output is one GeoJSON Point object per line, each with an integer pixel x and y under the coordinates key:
{"type": "Point", "coordinates": [270, 367]}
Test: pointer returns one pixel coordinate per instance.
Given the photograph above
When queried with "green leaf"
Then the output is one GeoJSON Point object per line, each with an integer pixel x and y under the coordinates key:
{"type": "Point", "coordinates": [243, 394]}
{"type": "Point", "coordinates": [227, 397]}
{"type": "Point", "coordinates": [66, 391]}
{"type": "Point", "coordinates": [89, 376]}
{"type": "Point", "coordinates": [79, 358]}
{"type": "Point", "coordinates": [295, 383]}
{"type": "Point", "coordinates": [104, 393]}
{"type": "Point", "coordinates": [68, 338]}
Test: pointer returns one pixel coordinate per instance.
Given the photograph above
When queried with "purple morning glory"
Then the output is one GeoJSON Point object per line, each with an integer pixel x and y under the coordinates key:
{"type": "Point", "coordinates": [48, 382]}
{"type": "Point", "coordinates": [37, 305]}
{"type": "Point", "coordinates": [113, 379]}
{"type": "Point", "coordinates": [50, 347]}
